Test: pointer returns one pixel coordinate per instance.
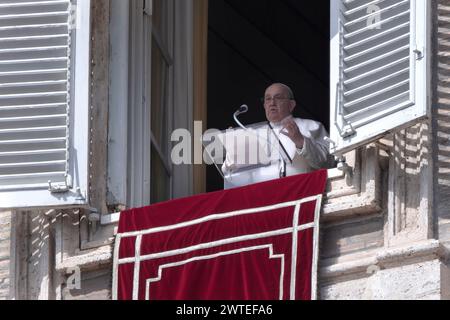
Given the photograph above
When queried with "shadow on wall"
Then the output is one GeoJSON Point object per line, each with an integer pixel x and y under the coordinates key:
{"type": "Point", "coordinates": [405, 200]}
{"type": "Point", "coordinates": [410, 184]}
{"type": "Point", "coordinates": [441, 122]}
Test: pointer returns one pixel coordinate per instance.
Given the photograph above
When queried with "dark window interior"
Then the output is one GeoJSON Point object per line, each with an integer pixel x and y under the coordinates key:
{"type": "Point", "coordinates": [254, 43]}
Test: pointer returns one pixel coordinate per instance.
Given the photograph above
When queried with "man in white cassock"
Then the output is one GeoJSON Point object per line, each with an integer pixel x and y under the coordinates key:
{"type": "Point", "coordinates": [299, 145]}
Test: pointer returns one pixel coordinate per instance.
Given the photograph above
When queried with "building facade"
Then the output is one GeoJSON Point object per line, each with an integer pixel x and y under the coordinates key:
{"type": "Point", "coordinates": [384, 224]}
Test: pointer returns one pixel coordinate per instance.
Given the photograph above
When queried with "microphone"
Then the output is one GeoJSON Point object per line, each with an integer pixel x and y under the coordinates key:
{"type": "Point", "coordinates": [242, 109]}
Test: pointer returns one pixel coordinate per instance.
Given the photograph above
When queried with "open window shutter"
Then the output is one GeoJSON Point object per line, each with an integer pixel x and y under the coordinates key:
{"type": "Point", "coordinates": [378, 68]}
{"type": "Point", "coordinates": [44, 78]}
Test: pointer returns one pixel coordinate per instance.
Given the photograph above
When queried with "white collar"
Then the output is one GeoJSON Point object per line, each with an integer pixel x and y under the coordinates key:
{"type": "Point", "coordinates": [278, 124]}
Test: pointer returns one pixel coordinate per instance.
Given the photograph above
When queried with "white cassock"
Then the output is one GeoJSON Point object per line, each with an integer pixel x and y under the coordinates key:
{"type": "Point", "coordinates": [314, 154]}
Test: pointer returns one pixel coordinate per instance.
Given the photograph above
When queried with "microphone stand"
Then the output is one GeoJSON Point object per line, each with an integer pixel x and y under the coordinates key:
{"type": "Point", "coordinates": [283, 172]}
{"type": "Point", "coordinates": [241, 110]}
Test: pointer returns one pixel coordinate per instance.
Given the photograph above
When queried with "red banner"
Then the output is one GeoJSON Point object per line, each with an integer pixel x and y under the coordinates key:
{"type": "Point", "coordinates": [252, 243]}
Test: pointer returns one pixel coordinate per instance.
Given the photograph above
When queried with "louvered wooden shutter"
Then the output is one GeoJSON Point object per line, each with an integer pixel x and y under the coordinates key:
{"type": "Point", "coordinates": [39, 77]}
{"type": "Point", "coordinates": [378, 68]}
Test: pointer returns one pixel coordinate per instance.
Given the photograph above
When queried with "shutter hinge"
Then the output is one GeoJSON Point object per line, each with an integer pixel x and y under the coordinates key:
{"type": "Point", "coordinates": [419, 53]}
{"type": "Point", "coordinates": [80, 196]}
{"type": "Point", "coordinates": [343, 166]}
{"type": "Point", "coordinates": [347, 131]}
{"type": "Point", "coordinates": [340, 161]}
{"type": "Point", "coordinates": [60, 187]}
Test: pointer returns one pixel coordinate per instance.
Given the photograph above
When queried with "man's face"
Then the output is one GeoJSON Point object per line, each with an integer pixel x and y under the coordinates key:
{"type": "Point", "coordinates": [277, 103]}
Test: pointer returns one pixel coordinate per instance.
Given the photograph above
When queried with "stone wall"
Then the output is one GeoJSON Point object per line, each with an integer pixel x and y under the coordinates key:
{"type": "Point", "coordinates": [441, 123]}
{"type": "Point", "coordinates": [5, 246]}
{"type": "Point", "coordinates": [405, 254]}
{"type": "Point", "coordinates": [409, 282]}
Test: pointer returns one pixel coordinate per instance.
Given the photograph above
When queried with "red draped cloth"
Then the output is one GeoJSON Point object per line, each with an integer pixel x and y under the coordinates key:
{"type": "Point", "coordinates": [257, 242]}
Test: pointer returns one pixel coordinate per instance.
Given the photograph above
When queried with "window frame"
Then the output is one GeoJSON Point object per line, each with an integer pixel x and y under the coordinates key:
{"type": "Point", "coordinates": [155, 36]}
{"type": "Point", "coordinates": [128, 179]}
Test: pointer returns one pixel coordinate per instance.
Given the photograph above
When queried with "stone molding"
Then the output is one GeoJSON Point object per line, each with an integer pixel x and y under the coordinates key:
{"type": "Point", "coordinates": [91, 260]}
{"type": "Point", "coordinates": [388, 258]}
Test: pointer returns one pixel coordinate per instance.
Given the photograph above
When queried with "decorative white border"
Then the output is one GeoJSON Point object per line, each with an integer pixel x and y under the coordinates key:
{"type": "Point", "coordinates": [216, 255]}
{"type": "Point", "coordinates": [137, 267]}
{"type": "Point", "coordinates": [294, 250]}
{"type": "Point", "coordinates": [137, 259]}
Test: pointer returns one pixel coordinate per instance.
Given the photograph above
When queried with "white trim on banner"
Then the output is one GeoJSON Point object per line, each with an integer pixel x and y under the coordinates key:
{"type": "Point", "coordinates": [217, 255]}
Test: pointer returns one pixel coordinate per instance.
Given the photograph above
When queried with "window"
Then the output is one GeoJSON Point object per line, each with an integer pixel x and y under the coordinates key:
{"type": "Point", "coordinates": [144, 173]}
{"type": "Point", "coordinates": [378, 68]}
{"type": "Point", "coordinates": [254, 43]}
{"type": "Point", "coordinates": [44, 103]}
{"type": "Point", "coordinates": [157, 53]}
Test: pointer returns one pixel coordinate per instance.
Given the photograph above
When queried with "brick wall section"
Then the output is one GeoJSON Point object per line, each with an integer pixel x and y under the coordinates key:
{"type": "Point", "coordinates": [5, 241]}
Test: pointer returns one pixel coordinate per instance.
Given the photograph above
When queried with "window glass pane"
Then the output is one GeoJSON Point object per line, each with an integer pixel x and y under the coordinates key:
{"type": "Point", "coordinates": [160, 180]}
{"type": "Point", "coordinates": [159, 123]}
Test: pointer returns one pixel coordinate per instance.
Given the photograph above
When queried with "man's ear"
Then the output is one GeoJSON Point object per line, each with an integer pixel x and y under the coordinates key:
{"type": "Point", "coordinates": [292, 106]}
